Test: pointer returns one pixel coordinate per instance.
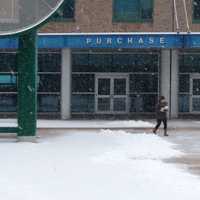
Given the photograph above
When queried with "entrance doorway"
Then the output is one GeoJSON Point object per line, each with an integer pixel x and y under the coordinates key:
{"type": "Point", "coordinates": [195, 93]}
{"type": "Point", "coordinates": [111, 93]}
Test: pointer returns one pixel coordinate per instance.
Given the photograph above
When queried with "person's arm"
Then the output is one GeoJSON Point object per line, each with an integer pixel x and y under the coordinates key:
{"type": "Point", "coordinates": [165, 107]}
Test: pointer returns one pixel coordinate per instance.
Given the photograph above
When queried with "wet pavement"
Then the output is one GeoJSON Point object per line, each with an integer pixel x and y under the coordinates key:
{"type": "Point", "coordinates": [188, 142]}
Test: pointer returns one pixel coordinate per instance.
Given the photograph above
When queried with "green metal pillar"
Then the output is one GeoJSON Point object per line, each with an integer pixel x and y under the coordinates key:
{"type": "Point", "coordinates": [27, 84]}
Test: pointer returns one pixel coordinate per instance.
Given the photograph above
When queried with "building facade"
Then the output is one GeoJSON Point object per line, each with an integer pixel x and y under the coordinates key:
{"type": "Point", "coordinates": [112, 58]}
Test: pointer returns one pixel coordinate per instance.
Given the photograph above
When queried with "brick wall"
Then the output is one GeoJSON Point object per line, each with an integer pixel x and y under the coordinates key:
{"type": "Point", "coordinates": [96, 16]}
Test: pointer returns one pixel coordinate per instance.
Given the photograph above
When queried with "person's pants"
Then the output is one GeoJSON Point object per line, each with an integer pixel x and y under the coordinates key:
{"type": "Point", "coordinates": [159, 122]}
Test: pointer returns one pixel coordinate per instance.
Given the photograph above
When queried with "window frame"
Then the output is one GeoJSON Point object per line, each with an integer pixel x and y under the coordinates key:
{"type": "Point", "coordinates": [139, 20]}
{"type": "Point", "coordinates": [129, 73]}
{"type": "Point", "coordinates": [197, 21]}
{"type": "Point", "coordinates": [63, 19]}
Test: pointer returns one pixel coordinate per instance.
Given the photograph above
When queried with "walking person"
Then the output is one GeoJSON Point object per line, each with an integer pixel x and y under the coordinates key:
{"type": "Point", "coordinates": [161, 114]}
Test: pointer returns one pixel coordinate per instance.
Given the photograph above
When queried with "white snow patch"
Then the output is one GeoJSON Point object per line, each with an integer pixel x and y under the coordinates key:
{"type": "Point", "coordinates": [82, 123]}
{"type": "Point", "coordinates": [8, 123]}
{"type": "Point", "coordinates": [75, 166]}
{"type": "Point", "coordinates": [94, 124]}
{"type": "Point", "coordinates": [136, 146]}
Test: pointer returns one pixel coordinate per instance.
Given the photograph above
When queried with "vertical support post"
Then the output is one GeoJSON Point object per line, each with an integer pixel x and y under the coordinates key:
{"type": "Point", "coordinates": [27, 85]}
{"type": "Point", "coordinates": [165, 75]}
{"type": "Point", "coordinates": [175, 84]}
{"type": "Point", "coordinates": [66, 84]}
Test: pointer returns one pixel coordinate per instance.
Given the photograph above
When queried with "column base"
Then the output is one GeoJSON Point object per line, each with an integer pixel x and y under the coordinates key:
{"type": "Point", "coordinates": [32, 139]}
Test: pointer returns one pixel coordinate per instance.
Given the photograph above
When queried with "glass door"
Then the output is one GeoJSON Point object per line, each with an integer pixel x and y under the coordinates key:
{"type": "Point", "coordinates": [103, 96]}
{"type": "Point", "coordinates": [112, 93]}
{"type": "Point", "coordinates": [195, 94]}
{"type": "Point", "coordinates": [120, 94]}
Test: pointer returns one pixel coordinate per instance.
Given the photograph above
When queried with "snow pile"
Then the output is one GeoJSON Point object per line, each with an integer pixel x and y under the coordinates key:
{"type": "Point", "coordinates": [82, 123]}
{"type": "Point", "coordinates": [129, 123]}
{"type": "Point", "coordinates": [135, 146]}
{"type": "Point", "coordinates": [93, 124]}
{"type": "Point", "coordinates": [76, 166]}
{"type": "Point", "coordinates": [8, 123]}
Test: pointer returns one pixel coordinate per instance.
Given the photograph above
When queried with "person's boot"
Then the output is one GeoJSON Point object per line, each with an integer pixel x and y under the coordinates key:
{"type": "Point", "coordinates": [154, 131]}
{"type": "Point", "coordinates": [165, 132]}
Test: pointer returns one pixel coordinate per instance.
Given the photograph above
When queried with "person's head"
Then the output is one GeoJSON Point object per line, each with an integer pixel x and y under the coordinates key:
{"type": "Point", "coordinates": [161, 98]}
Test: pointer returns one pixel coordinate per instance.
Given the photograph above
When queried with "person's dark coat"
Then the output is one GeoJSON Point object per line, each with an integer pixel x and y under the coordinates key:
{"type": "Point", "coordinates": [161, 110]}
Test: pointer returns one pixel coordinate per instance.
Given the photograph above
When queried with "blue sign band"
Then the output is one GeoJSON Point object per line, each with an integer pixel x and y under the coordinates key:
{"type": "Point", "coordinates": [130, 41]}
{"type": "Point", "coordinates": [111, 41]}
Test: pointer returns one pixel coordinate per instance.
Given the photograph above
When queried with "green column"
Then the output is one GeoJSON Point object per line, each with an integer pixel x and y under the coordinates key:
{"type": "Point", "coordinates": [27, 84]}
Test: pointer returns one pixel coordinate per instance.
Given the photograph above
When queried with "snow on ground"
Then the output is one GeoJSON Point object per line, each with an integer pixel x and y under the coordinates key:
{"type": "Point", "coordinates": [82, 123]}
{"type": "Point", "coordinates": [94, 124]}
{"type": "Point", "coordinates": [95, 165]}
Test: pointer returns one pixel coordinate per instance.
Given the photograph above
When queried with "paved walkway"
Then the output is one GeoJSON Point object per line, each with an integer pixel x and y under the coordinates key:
{"type": "Point", "coordinates": [118, 124]}
{"type": "Point", "coordinates": [187, 141]}
{"type": "Point", "coordinates": [174, 124]}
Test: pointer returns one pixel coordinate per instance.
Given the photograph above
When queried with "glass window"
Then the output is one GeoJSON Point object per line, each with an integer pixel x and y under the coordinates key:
{"type": "Point", "coordinates": [83, 83]}
{"type": "Point", "coordinates": [196, 9]}
{"type": "Point", "coordinates": [196, 104]}
{"type": "Point", "coordinates": [184, 83]}
{"type": "Point", "coordinates": [8, 102]}
{"type": "Point", "coordinates": [104, 104]}
{"type": "Point", "coordinates": [121, 62]}
{"type": "Point", "coordinates": [144, 63]}
{"type": "Point", "coordinates": [82, 103]}
{"type": "Point", "coordinates": [189, 63]}
{"type": "Point", "coordinates": [143, 83]}
{"type": "Point", "coordinates": [146, 9]}
{"type": "Point", "coordinates": [132, 10]}
{"type": "Point", "coordinates": [48, 103]}
{"type": "Point", "coordinates": [143, 103]}
{"type": "Point", "coordinates": [66, 11]}
{"type": "Point", "coordinates": [181, 64]}
{"type": "Point", "coordinates": [49, 62]}
{"type": "Point", "coordinates": [49, 79]}
{"type": "Point", "coordinates": [100, 62]}
{"type": "Point", "coordinates": [104, 86]}
{"type": "Point", "coordinates": [119, 104]}
{"type": "Point", "coordinates": [7, 79]}
{"type": "Point", "coordinates": [49, 83]}
{"type": "Point", "coordinates": [115, 62]}
{"type": "Point", "coordinates": [80, 63]}
{"type": "Point", "coordinates": [8, 62]}
{"type": "Point", "coordinates": [92, 62]}
{"type": "Point", "coordinates": [120, 86]}
{"type": "Point", "coordinates": [8, 83]}
{"type": "Point", "coordinates": [196, 86]}
{"type": "Point", "coordinates": [184, 103]}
